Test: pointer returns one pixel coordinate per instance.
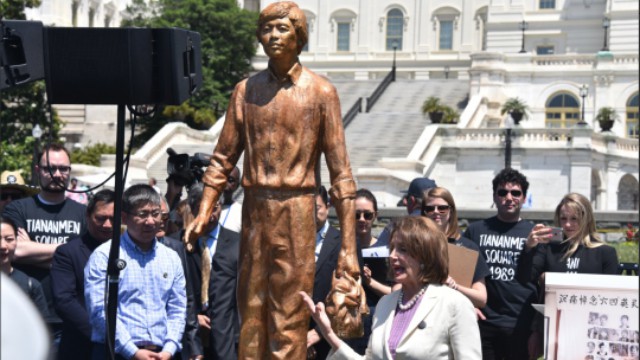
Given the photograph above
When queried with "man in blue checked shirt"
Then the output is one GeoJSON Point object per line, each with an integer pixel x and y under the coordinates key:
{"type": "Point", "coordinates": [152, 298]}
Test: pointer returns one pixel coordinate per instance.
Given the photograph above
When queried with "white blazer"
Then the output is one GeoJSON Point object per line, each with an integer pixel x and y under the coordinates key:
{"type": "Point", "coordinates": [443, 327]}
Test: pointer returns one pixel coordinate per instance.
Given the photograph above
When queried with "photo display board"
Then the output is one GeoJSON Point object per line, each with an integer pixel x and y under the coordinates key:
{"type": "Point", "coordinates": [591, 317]}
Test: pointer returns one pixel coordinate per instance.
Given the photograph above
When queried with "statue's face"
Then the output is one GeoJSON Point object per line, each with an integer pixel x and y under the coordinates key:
{"type": "Point", "coordinates": [278, 38]}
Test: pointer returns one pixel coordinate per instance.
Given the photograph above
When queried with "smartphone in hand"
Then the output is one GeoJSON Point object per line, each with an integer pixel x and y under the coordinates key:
{"type": "Point", "coordinates": [556, 235]}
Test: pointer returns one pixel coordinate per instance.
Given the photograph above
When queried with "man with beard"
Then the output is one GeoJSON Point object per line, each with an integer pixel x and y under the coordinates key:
{"type": "Point", "coordinates": [67, 277]}
{"type": "Point", "coordinates": [46, 221]}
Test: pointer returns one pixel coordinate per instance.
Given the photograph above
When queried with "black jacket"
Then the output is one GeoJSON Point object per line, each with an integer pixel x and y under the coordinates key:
{"type": "Point", "coordinates": [67, 283]}
{"type": "Point", "coordinates": [191, 344]}
{"type": "Point", "coordinates": [222, 309]}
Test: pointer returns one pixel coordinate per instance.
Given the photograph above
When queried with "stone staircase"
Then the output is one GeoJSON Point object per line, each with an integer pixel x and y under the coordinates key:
{"type": "Point", "coordinates": [395, 123]}
{"type": "Point", "coordinates": [74, 117]}
{"type": "Point", "coordinates": [350, 91]}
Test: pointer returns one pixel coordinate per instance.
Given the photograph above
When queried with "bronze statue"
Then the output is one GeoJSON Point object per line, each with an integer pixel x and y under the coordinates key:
{"type": "Point", "coordinates": [283, 118]}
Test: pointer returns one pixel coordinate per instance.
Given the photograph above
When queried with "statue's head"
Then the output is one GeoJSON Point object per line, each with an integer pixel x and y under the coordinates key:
{"type": "Point", "coordinates": [289, 10]}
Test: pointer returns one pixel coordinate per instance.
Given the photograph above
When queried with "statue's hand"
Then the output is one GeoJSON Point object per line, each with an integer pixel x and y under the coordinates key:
{"type": "Point", "coordinates": [194, 231]}
{"type": "Point", "coordinates": [345, 305]}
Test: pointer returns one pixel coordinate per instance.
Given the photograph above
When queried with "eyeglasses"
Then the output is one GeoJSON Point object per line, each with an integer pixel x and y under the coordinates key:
{"type": "Point", "coordinates": [52, 169]}
{"type": "Point", "coordinates": [164, 216]}
{"type": "Point", "coordinates": [514, 193]}
{"type": "Point", "coordinates": [368, 215]}
{"type": "Point", "coordinates": [442, 209]}
{"type": "Point", "coordinates": [155, 214]}
{"type": "Point", "coordinates": [11, 196]}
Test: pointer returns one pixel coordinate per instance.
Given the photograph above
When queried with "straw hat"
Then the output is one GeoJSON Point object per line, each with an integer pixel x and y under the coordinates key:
{"type": "Point", "coordinates": [13, 180]}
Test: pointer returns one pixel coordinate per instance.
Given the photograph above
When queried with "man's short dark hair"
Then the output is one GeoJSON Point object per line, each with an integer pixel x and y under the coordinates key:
{"type": "Point", "coordinates": [139, 195]}
{"type": "Point", "coordinates": [51, 147]}
{"type": "Point", "coordinates": [511, 176]}
{"type": "Point", "coordinates": [107, 196]}
{"type": "Point", "coordinates": [365, 193]}
{"type": "Point", "coordinates": [322, 192]}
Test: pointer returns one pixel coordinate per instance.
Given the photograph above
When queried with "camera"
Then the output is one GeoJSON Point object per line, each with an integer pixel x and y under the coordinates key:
{"type": "Point", "coordinates": [186, 170]}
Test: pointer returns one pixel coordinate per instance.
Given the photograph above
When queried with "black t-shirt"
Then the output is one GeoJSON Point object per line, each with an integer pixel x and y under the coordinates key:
{"type": "Point", "coordinates": [548, 258]}
{"type": "Point", "coordinates": [32, 288]}
{"type": "Point", "coordinates": [482, 270]}
{"type": "Point", "coordinates": [46, 224]}
{"type": "Point", "coordinates": [501, 243]}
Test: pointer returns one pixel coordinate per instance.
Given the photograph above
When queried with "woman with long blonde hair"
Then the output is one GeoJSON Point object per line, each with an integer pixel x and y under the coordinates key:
{"type": "Point", "coordinates": [580, 250]}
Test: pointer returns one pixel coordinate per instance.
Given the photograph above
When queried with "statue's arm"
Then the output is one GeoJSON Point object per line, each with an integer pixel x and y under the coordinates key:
{"type": "Point", "coordinates": [223, 160]}
{"type": "Point", "coordinates": [343, 187]}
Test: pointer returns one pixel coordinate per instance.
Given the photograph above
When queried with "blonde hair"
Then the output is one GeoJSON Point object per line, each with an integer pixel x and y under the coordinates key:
{"type": "Point", "coordinates": [581, 206]}
{"type": "Point", "coordinates": [453, 230]}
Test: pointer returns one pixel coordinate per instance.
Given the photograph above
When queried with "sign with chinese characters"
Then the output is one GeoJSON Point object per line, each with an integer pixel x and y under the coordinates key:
{"type": "Point", "coordinates": [591, 317]}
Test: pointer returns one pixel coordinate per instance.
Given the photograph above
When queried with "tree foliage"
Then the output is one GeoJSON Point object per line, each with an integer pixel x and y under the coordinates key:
{"type": "Point", "coordinates": [21, 108]}
{"type": "Point", "coordinates": [228, 43]}
{"type": "Point", "coordinates": [90, 154]}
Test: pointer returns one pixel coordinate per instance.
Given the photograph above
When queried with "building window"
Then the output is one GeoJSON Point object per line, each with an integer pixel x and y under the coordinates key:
{"type": "Point", "coordinates": [545, 50]}
{"type": "Point", "coordinates": [632, 122]}
{"type": "Point", "coordinates": [344, 32]}
{"type": "Point", "coordinates": [562, 111]}
{"type": "Point", "coordinates": [547, 4]}
{"type": "Point", "coordinates": [446, 35]}
{"type": "Point", "coordinates": [395, 23]}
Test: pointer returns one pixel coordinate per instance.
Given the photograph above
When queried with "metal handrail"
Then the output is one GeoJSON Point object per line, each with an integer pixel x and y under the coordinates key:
{"type": "Point", "coordinates": [351, 114]}
{"type": "Point", "coordinates": [380, 89]}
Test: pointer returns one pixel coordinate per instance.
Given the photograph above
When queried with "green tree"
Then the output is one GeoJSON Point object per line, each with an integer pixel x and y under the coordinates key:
{"type": "Point", "coordinates": [228, 43]}
{"type": "Point", "coordinates": [21, 108]}
{"type": "Point", "coordinates": [90, 155]}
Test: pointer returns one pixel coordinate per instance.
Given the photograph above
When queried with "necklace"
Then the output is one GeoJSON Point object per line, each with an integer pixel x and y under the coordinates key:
{"type": "Point", "coordinates": [411, 303]}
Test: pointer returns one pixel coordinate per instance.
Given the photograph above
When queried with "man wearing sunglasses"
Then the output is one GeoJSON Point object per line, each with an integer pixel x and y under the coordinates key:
{"type": "Point", "coordinates": [505, 321]}
{"type": "Point", "coordinates": [46, 221]}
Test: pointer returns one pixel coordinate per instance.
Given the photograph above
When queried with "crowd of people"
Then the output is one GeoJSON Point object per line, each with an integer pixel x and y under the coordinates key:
{"type": "Point", "coordinates": [175, 303]}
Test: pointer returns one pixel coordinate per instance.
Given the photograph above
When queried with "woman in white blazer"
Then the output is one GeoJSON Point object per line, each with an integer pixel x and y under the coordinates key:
{"type": "Point", "coordinates": [424, 320]}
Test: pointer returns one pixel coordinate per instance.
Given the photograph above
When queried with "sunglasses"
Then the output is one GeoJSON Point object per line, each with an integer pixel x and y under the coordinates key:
{"type": "Point", "coordinates": [514, 193]}
{"type": "Point", "coordinates": [12, 196]}
{"type": "Point", "coordinates": [442, 209]}
{"type": "Point", "coordinates": [368, 215]}
{"type": "Point", "coordinates": [53, 169]}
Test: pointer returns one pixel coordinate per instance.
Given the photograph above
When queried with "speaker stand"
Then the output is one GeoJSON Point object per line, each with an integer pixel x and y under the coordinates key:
{"type": "Point", "coordinates": [114, 265]}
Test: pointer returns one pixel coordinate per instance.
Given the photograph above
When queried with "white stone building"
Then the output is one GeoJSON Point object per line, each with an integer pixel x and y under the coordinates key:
{"type": "Point", "coordinates": [474, 54]}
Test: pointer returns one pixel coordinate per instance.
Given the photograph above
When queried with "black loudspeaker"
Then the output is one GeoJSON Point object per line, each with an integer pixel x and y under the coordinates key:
{"type": "Point", "coordinates": [21, 58]}
{"type": "Point", "coordinates": [121, 65]}
{"type": "Point", "coordinates": [179, 64]}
